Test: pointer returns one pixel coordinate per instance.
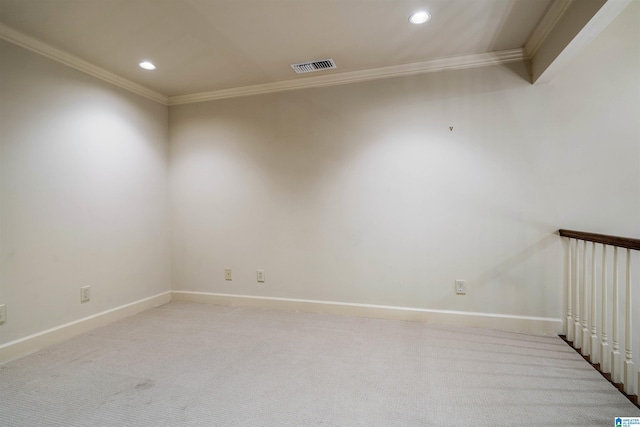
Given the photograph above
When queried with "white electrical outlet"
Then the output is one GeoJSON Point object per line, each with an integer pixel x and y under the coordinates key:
{"type": "Point", "coordinates": [461, 287]}
{"type": "Point", "coordinates": [260, 276]}
{"type": "Point", "coordinates": [85, 294]}
{"type": "Point", "coordinates": [227, 274]}
{"type": "Point", "coordinates": [3, 313]}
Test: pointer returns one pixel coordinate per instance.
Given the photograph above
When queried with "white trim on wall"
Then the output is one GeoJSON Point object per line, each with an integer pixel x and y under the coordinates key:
{"type": "Point", "coordinates": [430, 66]}
{"type": "Point", "coordinates": [440, 64]}
{"type": "Point", "coordinates": [32, 343]}
{"type": "Point", "coordinates": [16, 37]}
{"type": "Point", "coordinates": [29, 344]}
{"type": "Point", "coordinates": [507, 322]}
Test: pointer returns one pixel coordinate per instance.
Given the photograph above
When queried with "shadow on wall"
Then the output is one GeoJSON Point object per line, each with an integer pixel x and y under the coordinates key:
{"type": "Point", "coordinates": [519, 258]}
{"type": "Point", "coordinates": [507, 281]}
{"type": "Point", "coordinates": [323, 130]}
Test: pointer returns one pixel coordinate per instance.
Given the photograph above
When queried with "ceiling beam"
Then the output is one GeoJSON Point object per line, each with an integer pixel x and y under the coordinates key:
{"type": "Point", "coordinates": [568, 27]}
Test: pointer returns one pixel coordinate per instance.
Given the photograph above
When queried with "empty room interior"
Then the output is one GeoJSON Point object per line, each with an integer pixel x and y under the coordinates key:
{"type": "Point", "coordinates": [319, 212]}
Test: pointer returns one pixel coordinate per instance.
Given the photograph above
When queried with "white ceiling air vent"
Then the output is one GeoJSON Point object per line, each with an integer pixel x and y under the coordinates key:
{"type": "Point", "coordinates": [319, 65]}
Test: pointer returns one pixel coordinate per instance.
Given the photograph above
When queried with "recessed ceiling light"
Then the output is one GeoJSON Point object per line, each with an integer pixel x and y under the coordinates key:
{"type": "Point", "coordinates": [147, 65]}
{"type": "Point", "coordinates": [419, 17]}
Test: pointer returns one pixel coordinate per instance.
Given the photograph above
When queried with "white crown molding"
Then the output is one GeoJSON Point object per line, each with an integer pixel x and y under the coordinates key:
{"type": "Point", "coordinates": [546, 24]}
{"type": "Point", "coordinates": [13, 36]}
{"type": "Point", "coordinates": [440, 64]}
{"type": "Point", "coordinates": [430, 66]}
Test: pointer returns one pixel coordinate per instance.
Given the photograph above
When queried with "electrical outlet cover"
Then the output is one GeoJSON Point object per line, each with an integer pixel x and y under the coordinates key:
{"type": "Point", "coordinates": [3, 313]}
{"type": "Point", "coordinates": [85, 294]}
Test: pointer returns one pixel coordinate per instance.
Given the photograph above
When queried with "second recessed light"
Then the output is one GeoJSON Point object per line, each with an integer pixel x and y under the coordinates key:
{"type": "Point", "coordinates": [147, 65]}
{"type": "Point", "coordinates": [419, 17]}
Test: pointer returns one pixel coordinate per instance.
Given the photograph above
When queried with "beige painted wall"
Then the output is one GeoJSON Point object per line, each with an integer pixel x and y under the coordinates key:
{"type": "Point", "coordinates": [83, 182]}
{"type": "Point", "coordinates": [361, 193]}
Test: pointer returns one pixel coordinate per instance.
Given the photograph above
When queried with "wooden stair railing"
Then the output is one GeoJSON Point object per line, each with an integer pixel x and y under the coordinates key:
{"type": "Point", "coordinates": [582, 329]}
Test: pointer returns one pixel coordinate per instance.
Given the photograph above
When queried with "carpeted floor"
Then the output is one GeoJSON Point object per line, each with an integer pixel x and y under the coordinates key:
{"type": "Point", "coordinates": [186, 364]}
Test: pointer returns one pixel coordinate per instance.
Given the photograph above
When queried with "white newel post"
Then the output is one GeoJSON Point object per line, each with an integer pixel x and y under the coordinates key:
{"type": "Point", "coordinates": [594, 308]}
{"type": "Point", "coordinates": [569, 325]}
{"type": "Point", "coordinates": [628, 362]}
{"type": "Point", "coordinates": [615, 353]}
{"type": "Point", "coordinates": [585, 302]}
{"type": "Point", "coordinates": [605, 353]}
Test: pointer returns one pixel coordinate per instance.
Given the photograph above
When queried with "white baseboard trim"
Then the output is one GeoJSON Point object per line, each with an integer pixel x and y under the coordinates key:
{"type": "Point", "coordinates": [507, 322]}
{"type": "Point", "coordinates": [29, 344]}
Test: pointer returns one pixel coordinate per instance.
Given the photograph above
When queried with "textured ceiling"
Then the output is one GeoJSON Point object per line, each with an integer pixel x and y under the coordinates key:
{"type": "Point", "coordinates": [206, 45]}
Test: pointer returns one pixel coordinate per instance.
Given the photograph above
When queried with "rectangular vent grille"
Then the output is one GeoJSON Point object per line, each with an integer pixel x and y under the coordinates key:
{"type": "Point", "coordinates": [308, 67]}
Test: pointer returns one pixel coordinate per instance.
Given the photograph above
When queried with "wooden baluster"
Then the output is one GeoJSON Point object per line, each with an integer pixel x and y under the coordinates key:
{"type": "Point", "coordinates": [585, 301]}
{"type": "Point", "coordinates": [605, 353]}
{"type": "Point", "coordinates": [615, 353]}
{"type": "Point", "coordinates": [577, 327]}
{"type": "Point", "coordinates": [569, 293]}
{"type": "Point", "coordinates": [594, 312]}
{"type": "Point", "coordinates": [628, 362]}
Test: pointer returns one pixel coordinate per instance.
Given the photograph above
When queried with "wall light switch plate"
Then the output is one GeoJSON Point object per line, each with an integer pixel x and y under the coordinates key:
{"type": "Point", "coordinates": [461, 287]}
{"type": "Point", "coordinates": [3, 313]}
{"type": "Point", "coordinates": [85, 294]}
{"type": "Point", "coordinates": [227, 274]}
{"type": "Point", "coordinates": [260, 276]}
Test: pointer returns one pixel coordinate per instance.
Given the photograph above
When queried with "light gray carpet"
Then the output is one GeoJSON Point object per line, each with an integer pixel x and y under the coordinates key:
{"type": "Point", "coordinates": [186, 364]}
